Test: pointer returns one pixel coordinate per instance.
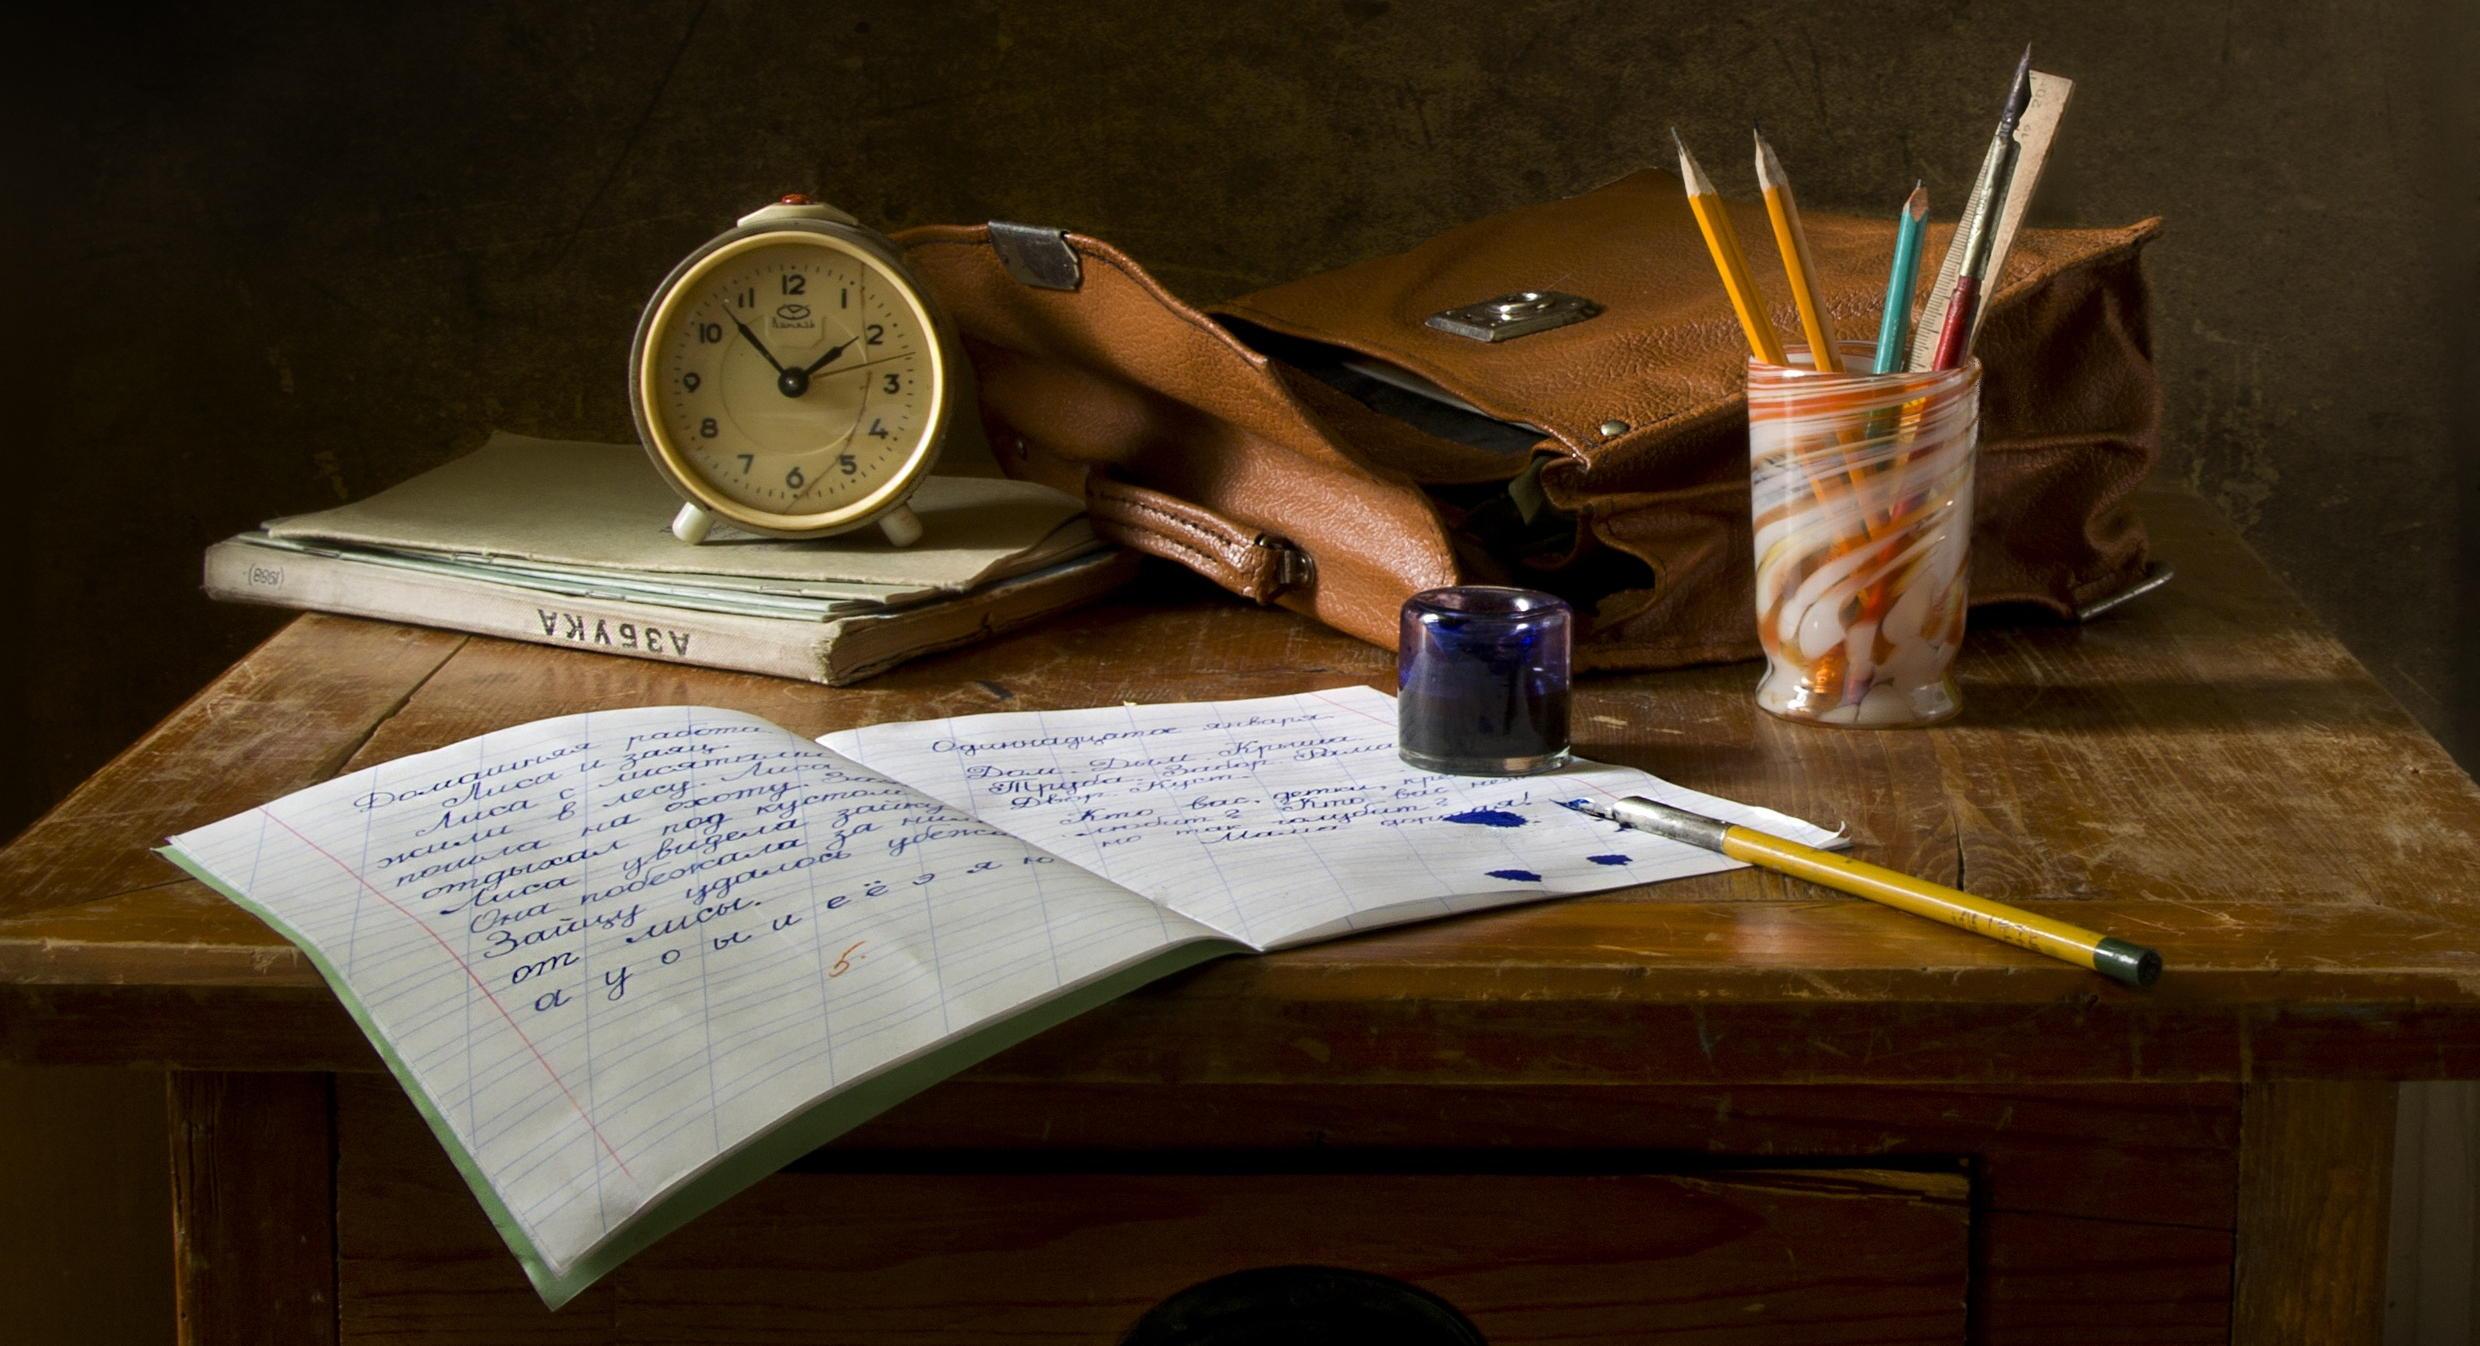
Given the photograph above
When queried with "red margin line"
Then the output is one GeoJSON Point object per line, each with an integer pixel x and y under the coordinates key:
{"type": "Point", "coordinates": [468, 970]}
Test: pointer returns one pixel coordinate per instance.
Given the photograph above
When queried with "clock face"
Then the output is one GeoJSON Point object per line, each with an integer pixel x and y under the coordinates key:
{"type": "Point", "coordinates": [794, 376]}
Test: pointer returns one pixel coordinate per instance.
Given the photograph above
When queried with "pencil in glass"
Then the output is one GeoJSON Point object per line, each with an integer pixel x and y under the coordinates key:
{"type": "Point", "coordinates": [1714, 221]}
{"type": "Point", "coordinates": [1894, 330]}
{"type": "Point", "coordinates": [1783, 209]}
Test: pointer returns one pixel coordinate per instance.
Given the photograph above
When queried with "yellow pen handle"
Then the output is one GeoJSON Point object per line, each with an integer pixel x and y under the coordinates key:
{"type": "Point", "coordinates": [2113, 958]}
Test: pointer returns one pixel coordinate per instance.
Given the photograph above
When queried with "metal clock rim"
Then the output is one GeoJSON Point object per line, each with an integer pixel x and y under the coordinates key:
{"type": "Point", "coordinates": [673, 466]}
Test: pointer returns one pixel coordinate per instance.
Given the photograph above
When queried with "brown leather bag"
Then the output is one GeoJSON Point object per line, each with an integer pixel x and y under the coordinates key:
{"type": "Point", "coordinates": [1272, 447]}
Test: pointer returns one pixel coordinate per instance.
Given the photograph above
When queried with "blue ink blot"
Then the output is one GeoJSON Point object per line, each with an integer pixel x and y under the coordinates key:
{"type": "Point", "coordinates": [1488, 818]}
{"type": "Point", "coordinates": [1608, 859]}
{"type": "Point", "coordinates": [1515, 875]}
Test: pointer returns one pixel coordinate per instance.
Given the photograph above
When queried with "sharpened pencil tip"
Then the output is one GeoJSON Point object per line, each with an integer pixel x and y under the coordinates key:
{"type": "Point", "coordinates": [1917, 204]}
{"type": "Point", "coordinates": [1770, 172]}
{"type": "Point", "coordinates": [1690, 175]}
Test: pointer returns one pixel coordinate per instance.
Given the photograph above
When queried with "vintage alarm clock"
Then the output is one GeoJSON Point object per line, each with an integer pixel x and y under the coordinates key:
{"type": "Point", "coordinates": [790, 377]}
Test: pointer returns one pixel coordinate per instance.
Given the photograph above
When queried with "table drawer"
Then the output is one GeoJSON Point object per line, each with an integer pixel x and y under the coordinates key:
{"type": "Point", "coordinates": [980, 1248]}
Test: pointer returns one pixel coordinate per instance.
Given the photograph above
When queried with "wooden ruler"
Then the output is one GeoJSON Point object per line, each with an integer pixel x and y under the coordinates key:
{"type": "Point", "coordinates": [2033, 133]}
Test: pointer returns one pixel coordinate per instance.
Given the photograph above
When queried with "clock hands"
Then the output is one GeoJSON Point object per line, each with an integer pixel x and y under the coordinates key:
{"type": "Point", "coordinates": [789, 382]}
{"type": "Point", "coordinates": [864, 364]}
{"type": "Point", "coordinates": [824, 360]}
{"type": "Point", "coordinates": [735, 320]}
{"type": "Point", "coordinates": [795, 382]}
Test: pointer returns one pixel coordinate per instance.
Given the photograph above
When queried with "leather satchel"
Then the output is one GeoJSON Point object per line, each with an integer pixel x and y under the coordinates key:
{"type": "Point", "coordinates": [1323, 445]}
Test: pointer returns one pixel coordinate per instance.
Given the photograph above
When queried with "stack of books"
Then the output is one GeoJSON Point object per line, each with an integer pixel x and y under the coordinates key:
{"type": "Point", "coordinates": [568, 544]}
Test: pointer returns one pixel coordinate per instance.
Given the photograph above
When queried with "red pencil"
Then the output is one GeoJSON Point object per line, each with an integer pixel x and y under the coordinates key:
{"type": "Point", "coordinates": [1957, 334]}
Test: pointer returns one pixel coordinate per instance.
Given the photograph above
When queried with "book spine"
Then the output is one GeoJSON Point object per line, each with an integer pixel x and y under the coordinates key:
{"type": "Point", "coordinates": [872, 643]}
{"type": "Point", "coordinates": [239, 572]}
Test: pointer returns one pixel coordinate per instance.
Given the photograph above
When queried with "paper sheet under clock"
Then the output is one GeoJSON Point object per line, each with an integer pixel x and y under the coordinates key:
{"type": "Point", "coordinates": [601, 507]}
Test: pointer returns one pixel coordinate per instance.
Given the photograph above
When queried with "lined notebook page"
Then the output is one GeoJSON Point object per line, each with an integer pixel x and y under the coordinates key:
{"type": "Point", "coordinates": [1288, 819]}
{"type": "Point", "coordinates": [605, 949]}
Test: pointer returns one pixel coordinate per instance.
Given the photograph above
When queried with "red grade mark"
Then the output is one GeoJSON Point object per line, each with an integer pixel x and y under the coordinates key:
{"type": "Point", "coordinates": [467, 968]}
{"type": "Point", "coordinates": [843, 961]}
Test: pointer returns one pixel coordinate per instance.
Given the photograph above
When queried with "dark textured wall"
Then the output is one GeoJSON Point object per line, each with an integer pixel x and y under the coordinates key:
{"type": "Point", "coordinates": [262, 257]}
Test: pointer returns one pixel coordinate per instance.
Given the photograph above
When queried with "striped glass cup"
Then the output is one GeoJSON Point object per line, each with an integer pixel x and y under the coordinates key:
{"type": "Point", "coordinates": [1861, 502]}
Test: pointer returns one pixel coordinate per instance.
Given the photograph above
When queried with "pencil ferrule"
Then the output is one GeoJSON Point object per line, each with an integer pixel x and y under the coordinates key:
{"type": "Point", "coordinates": [1677, 824]}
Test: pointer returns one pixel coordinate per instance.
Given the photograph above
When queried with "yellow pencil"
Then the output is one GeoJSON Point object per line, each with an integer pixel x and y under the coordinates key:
{"type": "Point", "coordinates": [1792, 241]}
{"type": "Point", "coordinates": [2113, 958]}
{"type": "Point", "coordinates": [1723, 242]}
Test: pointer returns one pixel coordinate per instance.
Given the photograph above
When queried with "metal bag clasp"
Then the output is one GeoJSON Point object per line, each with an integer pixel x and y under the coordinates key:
{"type": "Point", "coordinates": [1513, 315]}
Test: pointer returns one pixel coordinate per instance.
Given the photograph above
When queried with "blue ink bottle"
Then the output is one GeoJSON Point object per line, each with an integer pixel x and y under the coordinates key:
{"type": "Point", "coordinates": [1481, 681]}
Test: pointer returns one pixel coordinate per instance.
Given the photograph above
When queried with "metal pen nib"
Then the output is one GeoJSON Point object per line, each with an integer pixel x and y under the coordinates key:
{"type": "Point", "coordinates": [2018, 94]}
{"type": "Point", "coordinates": [1645, 815]}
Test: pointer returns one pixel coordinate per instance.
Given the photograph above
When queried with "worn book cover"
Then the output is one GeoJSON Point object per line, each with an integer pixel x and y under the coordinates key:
{"type": "Point", "coordinates": [833, 644]}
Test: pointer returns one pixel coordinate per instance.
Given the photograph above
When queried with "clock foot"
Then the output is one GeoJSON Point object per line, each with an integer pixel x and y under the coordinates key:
{"type": "Point", "coordinates": [901, 525]}
{"type": "Point", "coordinates": [692, 524]}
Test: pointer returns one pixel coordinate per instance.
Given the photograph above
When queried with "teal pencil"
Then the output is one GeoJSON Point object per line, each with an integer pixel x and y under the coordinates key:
{"type": "Point", "coordinates": [1894, 337]}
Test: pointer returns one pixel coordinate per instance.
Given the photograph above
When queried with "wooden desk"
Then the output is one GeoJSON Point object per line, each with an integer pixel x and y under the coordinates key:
{"type": "Point", "coordinates": [1731, 1104]}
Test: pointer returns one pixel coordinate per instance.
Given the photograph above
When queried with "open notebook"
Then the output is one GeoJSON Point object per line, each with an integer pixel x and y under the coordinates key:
{"type": "Point", "coordinates": [628, 963]}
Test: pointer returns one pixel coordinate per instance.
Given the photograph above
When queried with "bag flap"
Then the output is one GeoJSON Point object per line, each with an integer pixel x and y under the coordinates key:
{"type": "Point", "coordinates": [1112, 379]}
{"type": "Point", "coordinates": [1665, 348]}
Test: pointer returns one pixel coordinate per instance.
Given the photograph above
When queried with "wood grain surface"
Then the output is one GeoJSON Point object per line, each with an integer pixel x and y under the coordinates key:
{"type": "Point", "coordinates": [253, 1210]}
{"type": "Point", "coordinates": [286, 717]}
{"type": "Point", "coordinates": [1797, 1075]}
{"type": "Point", "coordinates": [2205, 771]}
{"type": "Point", "coordinates": [2083, 1195]}
{"type": "Point", "coordinates": [1622, 1249]}
{"type": "Point", "coordinates": [2315, 1160]}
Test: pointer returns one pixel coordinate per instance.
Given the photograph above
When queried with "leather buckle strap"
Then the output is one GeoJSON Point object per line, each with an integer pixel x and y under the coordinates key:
{"type": "Point", "coordinates": [1252, 564]}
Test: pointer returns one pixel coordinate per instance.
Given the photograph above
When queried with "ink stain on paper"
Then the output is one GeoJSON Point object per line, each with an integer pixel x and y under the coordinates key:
{"type": "Point", "coordinates": [1487, 818]}
{"type": "Point", "coordinates": [1515, 875]}
{"type": "Point", "coordinates": [1608, 859]}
